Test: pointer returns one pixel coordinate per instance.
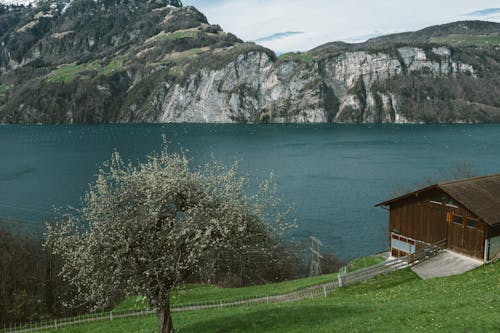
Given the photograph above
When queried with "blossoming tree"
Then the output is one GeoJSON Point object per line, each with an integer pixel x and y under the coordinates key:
{"type": "Point", "coordinates": [144, 228]}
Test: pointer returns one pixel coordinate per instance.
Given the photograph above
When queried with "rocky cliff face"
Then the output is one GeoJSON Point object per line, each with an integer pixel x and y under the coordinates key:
{"type": "Point", "coordinates": [85, 61]}
{"type": "Point", "coordinates": [253, 87]}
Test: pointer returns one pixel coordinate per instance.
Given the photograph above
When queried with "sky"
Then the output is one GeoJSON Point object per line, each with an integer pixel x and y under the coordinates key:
{"type": "Point", "coordinates": [298, 25]}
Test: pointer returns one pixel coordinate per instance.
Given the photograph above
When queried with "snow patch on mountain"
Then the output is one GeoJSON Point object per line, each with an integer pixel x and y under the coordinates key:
{"type": "Point", "coordinates": [17, 2]}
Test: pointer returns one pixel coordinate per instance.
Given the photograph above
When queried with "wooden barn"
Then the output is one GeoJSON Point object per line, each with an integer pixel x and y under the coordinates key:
{"type": "Point", "coordinates": [464, 213]}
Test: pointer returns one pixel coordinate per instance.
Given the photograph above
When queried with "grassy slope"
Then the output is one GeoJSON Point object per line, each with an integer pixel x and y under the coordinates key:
{"type": "Point", "coordinates": [4, 90]}
{"type": "Point", "coordinates": [466, 40]}
{"type": "Point", "coordinates": [70, 72]}
{"type": "Point", "coordinates": [399, 302]}
{"type": "Point", "coordinates": [192, 294]}
{"type": "Point", "coordinates": [189, 33]}
{"type": "Point", "coordinates": [297, 56]}
{"type": "Point", "coordinates": [364, 262]}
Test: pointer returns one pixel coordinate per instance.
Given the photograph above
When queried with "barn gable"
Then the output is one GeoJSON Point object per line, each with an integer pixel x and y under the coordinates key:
{"type": "Point", "coordinates": [480, 195]}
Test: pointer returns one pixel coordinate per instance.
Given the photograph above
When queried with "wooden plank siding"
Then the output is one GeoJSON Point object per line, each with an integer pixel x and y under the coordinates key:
{"type": "Point", "coordinates": [493, 232]}
{"type": "Point", "coordinates": [433, 216]}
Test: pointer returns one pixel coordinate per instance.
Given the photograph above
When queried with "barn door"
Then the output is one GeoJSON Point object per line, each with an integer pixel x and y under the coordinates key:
{"type": "Point", "coordinates": [436, 224]}
{"type": "Point", "coordinates": [455, 239]}
{"type": "Point", "coordinates": [465, 236]}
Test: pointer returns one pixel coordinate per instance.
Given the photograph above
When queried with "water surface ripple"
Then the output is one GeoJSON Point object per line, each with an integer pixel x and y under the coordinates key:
{"type": "Point", "coordinates": [333, 174]}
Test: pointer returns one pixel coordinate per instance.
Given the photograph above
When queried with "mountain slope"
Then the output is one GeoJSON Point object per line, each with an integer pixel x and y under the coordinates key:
{"type": "Point", "coordinates": [438, 34]}
{"type": "Point", "coordinates": [89, 61]}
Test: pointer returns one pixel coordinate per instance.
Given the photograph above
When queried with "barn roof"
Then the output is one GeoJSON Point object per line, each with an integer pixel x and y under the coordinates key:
{"type": "Point", "coordinates": [480, 195]}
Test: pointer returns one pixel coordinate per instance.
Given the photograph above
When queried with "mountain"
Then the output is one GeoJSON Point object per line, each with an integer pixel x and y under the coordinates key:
{"type": "Point", "coordinates": [17, 2]}
{"type": "Point", "coordinates": [100, 61]}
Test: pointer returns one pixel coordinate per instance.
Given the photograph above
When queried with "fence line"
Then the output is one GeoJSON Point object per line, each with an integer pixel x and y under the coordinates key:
{"type": "Point", "coordinates": [391, 265]}
{"type": "Point", "coordinates": [427, 252]}
{"type": "Point", "coordinates": [321, 290]}
{"type": "Point", "coordinates": [312, 292]}
{"type": "Point", "coordinates": [346, 278]}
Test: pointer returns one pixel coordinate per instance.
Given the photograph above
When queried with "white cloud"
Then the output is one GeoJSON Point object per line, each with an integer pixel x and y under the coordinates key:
{"type": "Point", "coordinates": [485, 12]}
{"type": "Point", "coordinates": [324, 21]}
{"type": "Point", "coordinates": [278, 35]}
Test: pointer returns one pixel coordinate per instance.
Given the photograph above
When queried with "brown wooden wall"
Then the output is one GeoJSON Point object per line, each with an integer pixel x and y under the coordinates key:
{"type": "Point", "coordinates": [493, 232]}
{"type": "Point", "coordinates": [417, 218]}
{"type": "Point", "coordinates": [422, 219]}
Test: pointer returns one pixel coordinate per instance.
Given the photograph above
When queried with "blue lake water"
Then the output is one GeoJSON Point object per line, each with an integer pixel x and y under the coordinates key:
{"type": "Point", "coordinates": [332, 174]}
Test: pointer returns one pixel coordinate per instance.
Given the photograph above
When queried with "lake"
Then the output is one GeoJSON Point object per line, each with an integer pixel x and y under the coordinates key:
{"type": "Point", "coordinates": [332, 174]}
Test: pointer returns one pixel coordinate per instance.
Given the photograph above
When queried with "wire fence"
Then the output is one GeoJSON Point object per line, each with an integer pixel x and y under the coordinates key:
{"type": "Point", "coordinates": [321, 290]}
{"type": "Point", "coordinates": [367, 273]}
{"type": "Point", "coordinates": [312, 292]}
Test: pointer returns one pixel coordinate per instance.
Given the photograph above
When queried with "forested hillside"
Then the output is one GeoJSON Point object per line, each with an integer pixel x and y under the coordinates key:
{"type": "Point", "coordinates": [107, 61]}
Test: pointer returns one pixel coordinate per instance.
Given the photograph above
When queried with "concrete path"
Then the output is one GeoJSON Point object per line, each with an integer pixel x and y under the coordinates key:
{"type": "Point", "coordinates": [445, 264]}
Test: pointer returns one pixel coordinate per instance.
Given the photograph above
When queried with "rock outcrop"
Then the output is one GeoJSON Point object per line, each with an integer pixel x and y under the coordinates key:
{"type": "Point", "coordinates": [86, 61]}
{"type": "Point", "coordinates": [253, 87]}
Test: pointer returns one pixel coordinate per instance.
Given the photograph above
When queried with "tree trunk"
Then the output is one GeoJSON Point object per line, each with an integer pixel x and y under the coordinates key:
{"type": "Point", "coordinates": [165, 319]}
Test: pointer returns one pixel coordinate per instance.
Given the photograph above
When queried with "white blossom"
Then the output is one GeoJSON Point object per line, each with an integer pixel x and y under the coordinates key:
{"type": "Point", "coordinates": [143, 228]}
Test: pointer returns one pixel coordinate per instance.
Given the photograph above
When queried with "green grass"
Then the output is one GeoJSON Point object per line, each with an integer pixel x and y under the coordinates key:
{"type": "Point", "coordinates": [397, 302]}
{"type": "Point", "coordinates": [4, 91]}
{"type": "Point", "coordinates": [112, 67]}
{"type": "Point", "coordinates": [5, 88]}
{"type": "Point", "coordinates": [359, 263]}
{"type": "Point", "coordinates": [179, 59]}
{"type": "Point", "coordinates": [68, 73]}
{"type": "Point", "coordinates": [297, 56]}
{"type": "Point", "coordinates": [192, 294]}
{"type": "Point", "coordinates": [467, 40]}
{"type": "Point", "coordinates": [181, 56]}
{"type": "Point", "coordinates": [173, 35]}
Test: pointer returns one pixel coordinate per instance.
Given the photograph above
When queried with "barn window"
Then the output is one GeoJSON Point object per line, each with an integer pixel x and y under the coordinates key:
{"type": "Point", "coordinates": [437, 199]}
{"type": "Point", "coordinates": [452, 203]}
{"type": "Point", "coordinates": [457, 219]}
{"type": "Point", "coordinates": [471, 223]}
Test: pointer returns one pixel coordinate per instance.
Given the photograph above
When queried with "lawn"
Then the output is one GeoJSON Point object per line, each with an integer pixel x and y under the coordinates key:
{"type": "Point", "coordinates": [397, 302]}
{"type": "Point", "coordinates": [194, 294]}
{"type": "Point", "coordinates": [364, 262]}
